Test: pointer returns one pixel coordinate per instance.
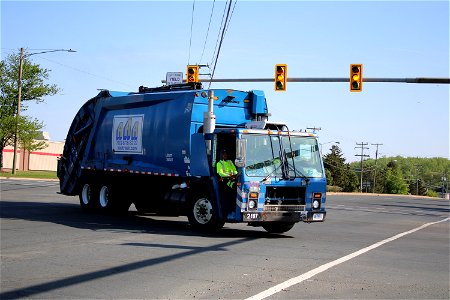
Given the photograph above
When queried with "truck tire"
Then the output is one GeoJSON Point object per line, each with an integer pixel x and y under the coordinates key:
{"type": "Point", "coordinates": [109, 200]}
{"type": "Point", "coordinates": [202, 215]}
{"type": "Point", "coordinates": [277, 227]}
{"type": "Point", "coordinates": [88, 197]}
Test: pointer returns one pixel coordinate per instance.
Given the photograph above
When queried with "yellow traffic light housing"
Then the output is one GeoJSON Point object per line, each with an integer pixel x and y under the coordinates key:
{"type": "Point", "coordinates": [356, 78]}
{"type": "Point", "coordinates": [280, 77]}
{"type": "Point", "coordinates": [192, 73]}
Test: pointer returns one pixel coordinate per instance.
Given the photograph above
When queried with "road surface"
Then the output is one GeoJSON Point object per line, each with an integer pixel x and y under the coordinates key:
{"type": "Point", "coordinates": [380, 247]}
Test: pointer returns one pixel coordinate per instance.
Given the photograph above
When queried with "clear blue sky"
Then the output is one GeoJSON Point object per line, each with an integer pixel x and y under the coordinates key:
{"type": "Point", "coordinates": [122, 44]}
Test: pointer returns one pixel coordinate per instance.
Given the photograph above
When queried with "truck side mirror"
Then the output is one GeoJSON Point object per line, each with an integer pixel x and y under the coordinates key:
{"type": "Point", "coordinates": [241, 150]}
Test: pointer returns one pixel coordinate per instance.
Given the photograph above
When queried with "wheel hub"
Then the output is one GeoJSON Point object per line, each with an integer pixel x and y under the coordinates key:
{"type": "Point", "coordinates": [203, 211]}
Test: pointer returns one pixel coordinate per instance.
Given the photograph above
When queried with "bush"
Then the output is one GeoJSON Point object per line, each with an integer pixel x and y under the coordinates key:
{"type": "Point", "coordinates": [431, 193]}
{"type": "Point", "coordinates": [334, 189]}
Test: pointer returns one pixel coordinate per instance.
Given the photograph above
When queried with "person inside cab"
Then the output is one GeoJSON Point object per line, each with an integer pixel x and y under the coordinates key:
{"type": "Point", "coordinates": [226, 169]}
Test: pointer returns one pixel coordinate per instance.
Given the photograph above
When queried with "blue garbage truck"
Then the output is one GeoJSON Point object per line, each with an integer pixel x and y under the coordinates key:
{"type": "Point", "coordinates": [158, 149]}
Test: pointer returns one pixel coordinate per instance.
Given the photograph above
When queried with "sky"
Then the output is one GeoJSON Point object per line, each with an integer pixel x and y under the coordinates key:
{"type": "Point", "coordinates": [122, 45]}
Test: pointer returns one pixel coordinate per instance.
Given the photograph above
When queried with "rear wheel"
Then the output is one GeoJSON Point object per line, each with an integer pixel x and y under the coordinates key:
{"type": "Point", "coordinates": [277, 227]}
{"type": "Point", "coordinates": [104, 198]}
{"type": "Point", "coordinates": [111, 200]}
{"type": "Point", "coordinates": [88, 197]}
{"type": "Point", "coordinates": [203, 215]}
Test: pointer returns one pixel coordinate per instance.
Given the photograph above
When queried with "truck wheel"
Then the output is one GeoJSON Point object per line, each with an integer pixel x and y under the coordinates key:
{"type": "Point", "coordinates": [277, 227]}
{"type": "Point", "coordinates": [88, 197]}
{"type": "Point", "coordinates": [103, 198]}
{"type": "Point", "coordinates": [202, 214]}
{"type": "Point", "coordinates": [111, 201]}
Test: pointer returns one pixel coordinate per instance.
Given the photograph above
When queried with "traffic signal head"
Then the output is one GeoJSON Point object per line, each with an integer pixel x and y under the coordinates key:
{"type": "Point", "coordinates": [356, 77]}
{"type": "Point", "coordinates": [192, 73]}
{"type": "Point", "coordinates": [280, 77]}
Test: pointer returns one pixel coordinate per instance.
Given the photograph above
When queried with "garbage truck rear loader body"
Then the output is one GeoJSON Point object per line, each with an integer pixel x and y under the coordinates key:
{"type": "Point", "coordinates": [159, 148]}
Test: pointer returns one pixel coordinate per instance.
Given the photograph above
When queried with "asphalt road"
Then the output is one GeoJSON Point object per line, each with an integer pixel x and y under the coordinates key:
{"type": "Point", "coordinates": [378, 247]}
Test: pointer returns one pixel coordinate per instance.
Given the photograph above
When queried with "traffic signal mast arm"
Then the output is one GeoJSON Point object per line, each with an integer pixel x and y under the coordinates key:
{"type": "Point", "coordinates": [331, 79]}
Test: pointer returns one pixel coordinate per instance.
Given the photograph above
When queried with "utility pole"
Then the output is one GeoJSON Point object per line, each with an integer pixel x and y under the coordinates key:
{"type": "Point", "coordinates": [375, 170]}
{"type": "Point", "coordinates": [417, 167]}
{"type": "Point", "coordinates": [362, 157]}
{"type": "Point", "coordinates": [19, 96]}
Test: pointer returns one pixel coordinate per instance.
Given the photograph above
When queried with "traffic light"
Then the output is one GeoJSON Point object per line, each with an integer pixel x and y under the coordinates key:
{"type": "Point", "coordinates": [280, 77]}
{"type": "Point", "coordinates": [356, 77]}
{"type": "Point", "coordinates": [192, 73]}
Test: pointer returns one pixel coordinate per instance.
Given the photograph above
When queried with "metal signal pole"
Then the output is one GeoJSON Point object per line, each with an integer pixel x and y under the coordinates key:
{"type": "Point", "coordinates": [330, 79]}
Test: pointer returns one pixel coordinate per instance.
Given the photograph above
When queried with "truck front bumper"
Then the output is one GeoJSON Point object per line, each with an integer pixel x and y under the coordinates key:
{"type": "Point", "coordinates": [284, 216]}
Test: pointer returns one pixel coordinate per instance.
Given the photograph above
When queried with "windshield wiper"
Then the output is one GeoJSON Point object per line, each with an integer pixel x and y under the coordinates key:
{"type": "Point", "coordinates": [299, 173]}
{"type": "Point", "coordinates": [273, 172]}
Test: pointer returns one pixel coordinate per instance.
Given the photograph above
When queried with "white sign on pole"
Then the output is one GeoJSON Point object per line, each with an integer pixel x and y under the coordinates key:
{"type": "Point", "coordinates": [174, 78]}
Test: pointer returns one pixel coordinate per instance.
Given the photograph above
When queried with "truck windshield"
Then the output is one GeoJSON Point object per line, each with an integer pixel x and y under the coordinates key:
{"type": "Point", "coordinates": [266, 155]}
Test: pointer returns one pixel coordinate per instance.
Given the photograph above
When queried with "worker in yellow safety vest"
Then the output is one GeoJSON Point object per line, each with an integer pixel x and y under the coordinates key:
{"type": "Point", "coordinates": [226, 170]}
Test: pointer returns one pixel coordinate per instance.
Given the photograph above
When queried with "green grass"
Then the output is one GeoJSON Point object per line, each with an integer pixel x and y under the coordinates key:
{"type": "Point", "coordinates": [30, 174]}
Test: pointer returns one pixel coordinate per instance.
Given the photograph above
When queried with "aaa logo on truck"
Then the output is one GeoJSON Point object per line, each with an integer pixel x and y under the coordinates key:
{"type": "Point", "coordinates": [127, 134]}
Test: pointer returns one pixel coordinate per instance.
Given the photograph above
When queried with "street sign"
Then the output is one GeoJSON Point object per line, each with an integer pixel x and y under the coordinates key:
{"type": "Point", "coordinates": [174, 78]}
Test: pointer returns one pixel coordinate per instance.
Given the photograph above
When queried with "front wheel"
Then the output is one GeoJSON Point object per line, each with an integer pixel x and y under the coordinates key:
{"type": "Point", "coordinates": [202, 214]}
{"type": "Point", "coordinates": [277, 227]}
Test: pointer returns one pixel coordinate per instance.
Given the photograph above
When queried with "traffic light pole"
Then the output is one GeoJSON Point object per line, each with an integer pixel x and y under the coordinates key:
{"type": "Point", "coordinates": [343, 79]}
{"type": "Point", "coordinates": [324, 79]}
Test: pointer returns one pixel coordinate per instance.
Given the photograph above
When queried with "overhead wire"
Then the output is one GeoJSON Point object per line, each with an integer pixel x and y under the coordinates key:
{"type": "Point", "coordinates": [85, 72]}
{"type": "Point", "coordinates": [207, 31]}
{"type": "Point", "coordinates": [218, 34]}
{"type": "Point", "coordinates": [224, 29]}
{"type": "Point", "coordinates": [192, 23]}
{"type": "Point", "coordinates": [40, 57]}
{"type": "Point", "coordinates": [229, 20]}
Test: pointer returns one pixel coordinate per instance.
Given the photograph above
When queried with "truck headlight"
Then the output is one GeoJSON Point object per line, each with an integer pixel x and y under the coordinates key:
{"type": "Point", "coordinates": [316, 204]}
{"type": "Point", "coordinates": [317, 198]}
{"type": "Point", "coordinates": [252, 204]}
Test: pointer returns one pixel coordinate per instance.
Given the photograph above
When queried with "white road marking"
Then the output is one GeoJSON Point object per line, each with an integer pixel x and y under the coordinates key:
{"type": "Point", "coordinates": [296, 280]}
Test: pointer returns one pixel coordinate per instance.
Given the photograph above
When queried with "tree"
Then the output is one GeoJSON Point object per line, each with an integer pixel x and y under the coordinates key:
{"type": "Point", "coordinates": [339, 173]}
{"type": "Point", "coordinates": [417, 187]}
{"type": "Point", "coordinates": [394, 182]}
{"type": "Point", "coordinates": [34, 88]}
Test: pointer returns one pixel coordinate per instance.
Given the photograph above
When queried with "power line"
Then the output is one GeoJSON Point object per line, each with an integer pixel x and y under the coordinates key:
{"type": "Point", "coordinates": [229, 20]}
{"type": "Point", "coordinates": [86, 72]}
{"type": "Point", "coordinates": [207, 31]}
{"type": "Point", "coordinates": [221, 41]}
{"type": "Point", "coordinates": [192, 23]}
{"type": "Point", "coordinates": [218, 34]}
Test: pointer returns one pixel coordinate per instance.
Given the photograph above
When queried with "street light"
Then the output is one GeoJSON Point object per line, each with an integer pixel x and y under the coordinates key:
{"type": "Point", "coordinates": [19, 95]}
{"type": "Point", "coordinates": [321, 145]}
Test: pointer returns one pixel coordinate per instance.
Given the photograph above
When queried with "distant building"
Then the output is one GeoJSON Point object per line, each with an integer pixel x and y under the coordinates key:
{"type": "Point", "coordinates": [45, 159]}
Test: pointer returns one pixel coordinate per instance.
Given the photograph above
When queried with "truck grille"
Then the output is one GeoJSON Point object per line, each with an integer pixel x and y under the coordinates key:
{"type": "Point", "coordinates": [285, 195]}
{"type": "Point", "coordinates": [284, 207]}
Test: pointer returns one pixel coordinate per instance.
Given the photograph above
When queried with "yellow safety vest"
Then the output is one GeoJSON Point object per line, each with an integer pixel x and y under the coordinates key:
{"type": "Point", "coordinates": [225, 168]}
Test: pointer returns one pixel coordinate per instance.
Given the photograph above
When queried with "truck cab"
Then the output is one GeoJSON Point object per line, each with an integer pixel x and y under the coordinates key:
{"type": "Point", "coordinates": [280, 180]}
